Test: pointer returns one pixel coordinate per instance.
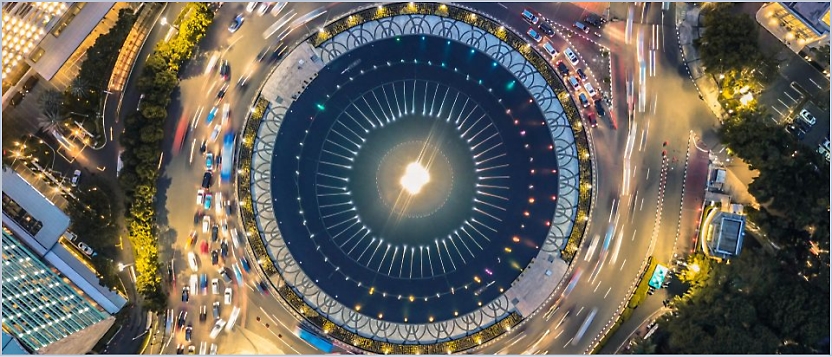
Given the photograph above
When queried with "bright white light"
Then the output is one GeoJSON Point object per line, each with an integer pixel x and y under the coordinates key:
{"type": "Point", "coordinates": [415, 177]}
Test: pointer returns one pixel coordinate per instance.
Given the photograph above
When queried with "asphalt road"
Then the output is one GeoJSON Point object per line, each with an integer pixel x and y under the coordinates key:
{"type": "Point", "coordinates": [640, 197]}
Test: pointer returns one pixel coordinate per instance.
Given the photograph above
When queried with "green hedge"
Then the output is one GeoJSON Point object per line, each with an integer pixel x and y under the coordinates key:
{"type": "Point", "coordinates": [144, 131]}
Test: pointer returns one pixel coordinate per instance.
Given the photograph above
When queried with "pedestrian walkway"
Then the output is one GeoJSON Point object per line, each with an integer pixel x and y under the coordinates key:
{"type": "Point", "coordinates": [133, 44]}
{"type": "Point", "coordinates": [688, 30]}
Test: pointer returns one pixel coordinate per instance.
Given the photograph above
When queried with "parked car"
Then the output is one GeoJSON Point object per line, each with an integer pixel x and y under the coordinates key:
{"type": "Point", "coordinates": [186, 293]}
{"type": "Point", "coordinates": [191, 239]}
{"type": "Point", "coordinates": [75, 177]}
{"type": "Point", "coordinates": [251, 6]}
{"type": "Point", "coordinates": [206, 223]}
{"type": "Point", "coordinates": [215, 286]}
{"type": "Point", "coordinates": [599, 108]}
{"type": "Point", "coordinates": [86, 249]}
{"type": "Point", "coordinates": [227, 296]}
{"type": "Point", "coordinates": [550, 49]}
{"type": "Point", "coordinates": [215, 233]}
{"type": "Point", "coordinates": [192, 262]}
{"type": "Point", "coordinates": [203, 313]}
{"type": "Point", "coordinates": [571, 56]}
{"type": "Point", "coordinates": [206, 180]}
{"type": "Point", "coordinates": [209, 161]}
{"type": "Point", "coordinates": [216, 310]}
{"type": "Point", "coordinates": [804, 115]}
{"type": "Point", "coordinates": [530, 17]}
{"type": "Point", "coordinates": [215, 257]}
{"type": "Point", "coordinates": [584, 101]}
{"type": "Point", "coordinates": [581, 74]}
{"type": "Point", "coordinates": [562, 68]}
{"type": "Point", "coordinates": [580, 26]}
{"type": "Point", "coordinates": [591, 118]}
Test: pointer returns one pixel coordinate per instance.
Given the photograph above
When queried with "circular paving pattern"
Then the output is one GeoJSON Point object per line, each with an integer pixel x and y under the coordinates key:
{"type": "Point", "coordinates": [414, 185]}
{"type": "Point", "coordinates": [412, 195]}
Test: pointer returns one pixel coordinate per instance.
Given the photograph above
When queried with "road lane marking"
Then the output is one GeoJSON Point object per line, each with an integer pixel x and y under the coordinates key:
{"type": "Point", "coordinates": [596, 287]}
{"type": "Point", "coordinates": [579, 312]}
{"type": "Point", "coordinates": [642, 204]}
{"type": "Point", "coordinates": [815, 83]}
{"type": "Point", "coordinates": [634, 236]}
{"type": "Point", "coordinates": [612, 209]}
{"type": "Point", "coordinates": [193, 144]}
{"type": "Point", "coordinates": [568, 342]}
{"type": "Point", "coordinates": [648, 174]}
{"type": "Point", "coordinates": [622, 265]}
{"type": "Point", "coordinates": [558, 335]}
{"type": "Point", "coordinates": [608, 292]}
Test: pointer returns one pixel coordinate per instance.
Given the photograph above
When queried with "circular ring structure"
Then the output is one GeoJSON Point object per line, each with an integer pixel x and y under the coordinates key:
{"type": "Point", "coordinates": [417, 176]}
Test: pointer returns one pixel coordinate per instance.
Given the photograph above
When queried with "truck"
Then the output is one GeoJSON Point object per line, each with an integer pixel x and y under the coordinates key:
{"type": "Point", "coordinates": [227, 156]}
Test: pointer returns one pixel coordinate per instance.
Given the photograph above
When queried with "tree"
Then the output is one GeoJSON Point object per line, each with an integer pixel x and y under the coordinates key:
{"type": "Point", "coordinates": [729, 42]}
{"type": "Point", "coordinates": [79, 87]}
{"type": "Point", "coordinates": [50, 122]}
{"type": "Point", "coordinates": [51, 101]}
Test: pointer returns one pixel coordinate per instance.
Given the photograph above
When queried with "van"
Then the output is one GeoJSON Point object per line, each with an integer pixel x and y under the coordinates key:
{"type": "Point", "coordinates": [584, 101]}
{"type": "Point", "coordinates": [193, 283]}
{"type": "Point", "coordinates": [550, 49]}
{"type": "Point", "coordinates": [235, 313]}
{"type": "Point", "coordinates": [590, 90]}
{"type": "Point", "coordinates": [580, 26]}
{"type": "Point", "coordinates": [530, 17]}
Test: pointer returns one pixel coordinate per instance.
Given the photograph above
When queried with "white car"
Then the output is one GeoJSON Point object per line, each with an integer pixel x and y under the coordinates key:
{"type": "Point", "coordinates": [262, 9]}
{"type": "Point", "coordinates": [75, 177]}
{"type": "Point", "coordinates": [235, 313]}
{"type": "Point", "coordinates": [224, 228]}
{"type": "Point", "coordinates": [206, 224]}
{"type": "Point", "coordinates": [278, 7]}
{"type": "Point", "coordinates": [214, 134]}
{"type": "Point", "coordinates": [193, 263]}
{"type": "Point", "coordinates": [227, 300]}
{"type": "Point", "coordinates": [591, 91]}
{"type": "Point", "coordinates": [251, 6]}
{"type": "Point", "coordinates": [194, 284]}
{"type": "Point", "coordinates": [85, 248]}
{"type": "Point", "coordinates": [200, 196]}
{"type": "Point", "coordinates": [571, 56]}
{"type": "Point", "coordinates": [804, 114]}
{"type": "Point", "coordinates": [213, 349]}
{"type": "Point", "coordinates": [217, 328]}
{"type": "Point", "coordinates": [215, 286]}
{"type": "Point", "coordinates": [218, 204]}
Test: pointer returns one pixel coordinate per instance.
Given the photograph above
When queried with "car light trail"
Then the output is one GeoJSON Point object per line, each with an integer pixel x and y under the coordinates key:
{"type": "Point", "coordinates": [191, 159]}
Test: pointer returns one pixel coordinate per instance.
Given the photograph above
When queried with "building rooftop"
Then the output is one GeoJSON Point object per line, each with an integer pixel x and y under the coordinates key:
{"type": "Point", "coordinates": [728, 231]}
{"type": "Point", "coordinates": [11, 346]}
{"type": "Point", "coordinates": [814, 14]}
{"type": "Point", "coordinates": [54, 222]}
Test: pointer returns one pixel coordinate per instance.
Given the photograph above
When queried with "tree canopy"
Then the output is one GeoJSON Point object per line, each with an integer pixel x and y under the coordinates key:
{"type": "Point", "coordinates": [729, 41]}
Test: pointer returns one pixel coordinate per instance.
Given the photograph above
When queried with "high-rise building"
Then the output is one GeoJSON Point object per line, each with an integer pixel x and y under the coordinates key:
{"type": "Point", "coordinates": [797, 24]}
{"type": "Point", "coordinates": [44, 310]}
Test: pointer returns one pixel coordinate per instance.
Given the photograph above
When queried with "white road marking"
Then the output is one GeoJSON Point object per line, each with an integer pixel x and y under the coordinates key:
{"type": "Point", "coordinates": [634, 236]}
{"type": "Point", "coordinates": [782, 102]}
{"type": "Point", "coordinates": [622, 265]}
{"type": "Point", "coordinates": [558, 335]}
{"type": "Point", "coordinates": [608, 292]}
{"type": "Point", "coordinates": [790, 97]}
{"type": "Point", "coordinates": [567, 343]}
{"type": "Point", "coordinates": [778, 112]}
{"type": "Point", "coordinates": [815, 83]}
{"type": "Point", "coordinates": [612, 209]}
{"type": "Point", "coordinates": [596, 287]}
{"type": "Point", "coordinates": [193, 144]}
{"type": "Point", "coordinates": [641, 205]}
{"type": "Point", "coordinates": [579, 312]}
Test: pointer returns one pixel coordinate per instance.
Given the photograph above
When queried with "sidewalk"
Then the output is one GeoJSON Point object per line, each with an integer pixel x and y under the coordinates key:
{"type": "Point", "coordinates": [687, 30]}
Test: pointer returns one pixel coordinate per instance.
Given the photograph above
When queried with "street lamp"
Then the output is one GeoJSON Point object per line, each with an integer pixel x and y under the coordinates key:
{"type": "Point", "coordinates": [694, 267]}
{"type": "Point", "coordinates": [121, 266]}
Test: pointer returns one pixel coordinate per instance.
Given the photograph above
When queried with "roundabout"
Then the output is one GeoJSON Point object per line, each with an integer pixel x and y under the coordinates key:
{"type": "Point", "coordinates": [419, 187]}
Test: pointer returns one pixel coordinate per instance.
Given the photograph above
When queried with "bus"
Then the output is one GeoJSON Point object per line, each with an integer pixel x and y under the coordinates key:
{"type": "Point", "coordinates": [227, 156]}
{"type": "Point", "coordinates": [314, 339]}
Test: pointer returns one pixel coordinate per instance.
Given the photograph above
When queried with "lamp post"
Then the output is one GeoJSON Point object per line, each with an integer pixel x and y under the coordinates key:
{"type": "Point", "coordinates": [122, 266]}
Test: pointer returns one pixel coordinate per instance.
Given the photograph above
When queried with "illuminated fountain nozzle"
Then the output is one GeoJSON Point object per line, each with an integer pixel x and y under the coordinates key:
{"type": "Point", "coordinates": [415, 177]}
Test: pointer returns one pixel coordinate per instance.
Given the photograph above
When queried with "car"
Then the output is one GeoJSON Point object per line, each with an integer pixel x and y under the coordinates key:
{"type": "Point", "coordinates": [599, 108]}
{"type": "Point", "coordinates": [186, 294]}
{"type": "Point", "coordinates": [209, 161]}
{"type": "Point", "coordinates": [225, 70]}
{"type": "Point", "coordinates": [263, 287]}
{"type": "Point", "coordinates": [215, 286]}
{"type": "Point", "coordinates": [803, 125]}
{"type": "Point", "coordinates": [584, 100]}
{"type": "Point", "coordinates": [208, 198]}
{"type": "Point", "coordinates": [211, 115]}
{"type": "Point", "coordinates": [591, 118]}
{"type": "Point", "coordinates": [227, 296]}
{"type": "Point", "coordinates": [580, 26]}
{"type": "Point", "coordinates": [206, 180]}
{"type": "Point", "coordinates": [188, 333]}
{"type": "Point", "coordinates": [180, 349]}
{"type": "Point", "coordinates": [191, 350]}
{"type": "Point", "coordinates": [215, 257]}
{"type": "Point", "coordinates": [206, 223]}
{"type": "Point", "coordinates": [262, 9]}
{"type": "Point", "coordinates": [550, 49]}
{"type": "Point", "coordinates": [545, 28]}
{"type": "Point", "coordinates": [574, 82]}
{"type": "Point", "coordinates": [224, 248]}
{"type": "Point", "coordinates": [825, 144]}
{"type": "Point", "coordinates": [278, 7]}
{"type": "Point", "coordinates": [807, 117]}
{"type": "Point", "coordinates": [224, 274]}
{"type": "Point", "coordinates": [194, 265]}
{"type": "Point", "coordinates": [581, 74]}
{"type": "Point", "coordinates": [203, 313]}
{"type": "Point", "coordinates": [86, 249]}
{"type": "Point", "coordinates": [203, 146]}
{"type": "Point", "coordinates": [226, 113]}
{"type": "Point", "coordinates": [215, 309]}
{"type": "Point", "coordinates": [215, 234]}
{"type": "Point", "coordinates": [183, 315]}
{"type": "Point", "coordinates": [194, 283]}
{"type": "Point", "coordinates": [796, 131]}
{"type": "Point", "coordinates": [237, 273]}
{"type": "Point", "coordinates": [595, 20]}
{"type": "Point", "coordinates": [217, 328]}
{"type": "Point", "coordinates": [236, 23]}
{"type": "Point", "coordinates": [219, 206]}
{"type": "Point", "coordinates": [530, 16]}
{"type": "Point", "coordinates": [245, 264]}
{"type": "Point", "coordinates": [213, 349]}
{"type": "Point", "coordinates": [191, 239]}
{"type": "Point", "coordinates": [200, 196]}
{"type": "Point", "coordinates": [232, 319]}
{"type": "Point", "coordinates": [224, 227]}
{"type": "Point", "coordinates": [203, 247]}
{"type": "Point", "coordinates": [590, 90]}
{"type": "Point", "coordinates": [534, 35]}
{"type": "Point", "coordinates": [221, 93]}
{"type": "Point", "coordinates": [235, 238]}
{"type": "Point", "coordinates": [251, 6]}
{"type": "Point", "coordinates": [227, 205]}
{"type": "Point", "coordinates": [75, 177]}
{"type": "Point", "coordinates": [571, 56]}
{"type": "Point", "coordinates": [563, 69]}
{"type": "Point", "coordinates": [203, 283]}
{"type": "Point", "coordinates": [263, 53]}
{"type": "Point", "coordinates": [214, 134]}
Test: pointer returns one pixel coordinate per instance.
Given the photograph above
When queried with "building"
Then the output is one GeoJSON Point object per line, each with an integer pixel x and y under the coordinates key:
{"type": "Point", "coordinates": [726, 231]}
{"type": "Point", "coordinates": [48, 39]}
{"type": "Point", "coordinates": [797, 24]}
{"type": "Point", "coordinates": [41, 226]}
{"type": "Point", "coordinates": [11, 346]}
{"type": "Point", "coordinates": [43, 309]}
